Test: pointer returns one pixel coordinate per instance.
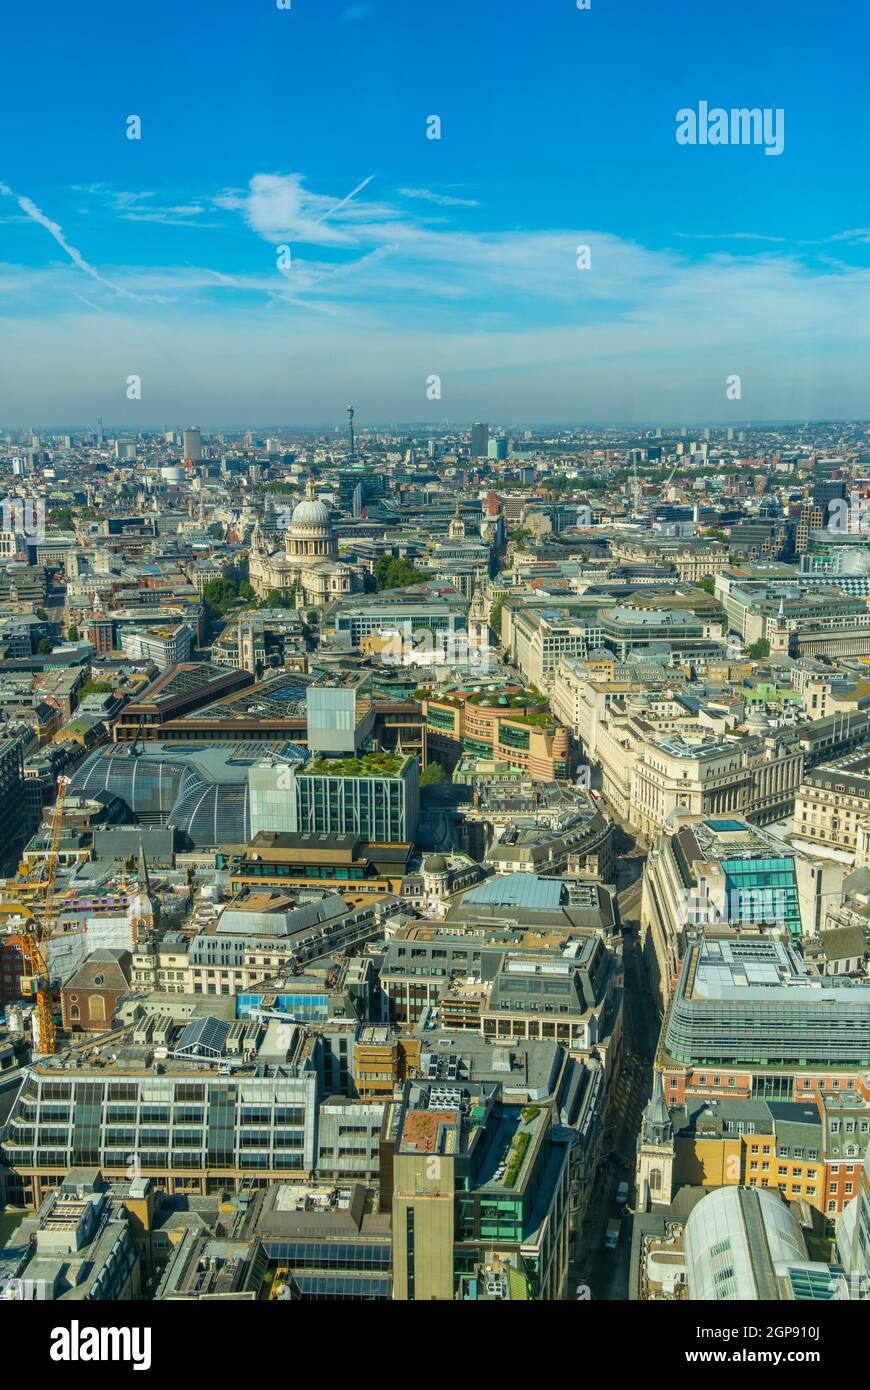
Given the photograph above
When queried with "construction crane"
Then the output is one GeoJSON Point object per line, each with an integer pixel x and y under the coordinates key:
{"type": "Point", "coordinates": [34, 971]}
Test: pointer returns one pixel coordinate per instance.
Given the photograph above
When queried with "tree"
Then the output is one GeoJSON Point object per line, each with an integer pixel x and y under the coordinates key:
{"type": "Point", "coordinates": [219, 594]}
{"type": "Point", "coordinates": [495, 618]}
{"type": "Point", "coordinates": [392, 572]}
{"type": "Point", "coordinates": [246, 590]}
{"type": "Point", "coordinates": [46, 647]}
{"type": "Point", "coordinates": [432, 775]}
{"type": "Point", "coordinates": [275, 599]}
{"type": "Point", "coordinates": [707, 584]}
{"type": "Point", "coordinates": [72, 633]}
{"type": "Point", "coordinates": [759, 650]}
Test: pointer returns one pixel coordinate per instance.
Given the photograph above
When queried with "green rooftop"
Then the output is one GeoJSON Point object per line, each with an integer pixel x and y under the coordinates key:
{"type": "Point", "coordinates": [364, 765]}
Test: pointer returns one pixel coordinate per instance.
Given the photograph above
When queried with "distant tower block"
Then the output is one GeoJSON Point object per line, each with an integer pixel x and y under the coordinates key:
{"type": "Point", "coordinates": [479, 440]}
{"type": "Point", "coordinates": [350, 431]}
{"type": "Point", "coordinates": [192, 445]}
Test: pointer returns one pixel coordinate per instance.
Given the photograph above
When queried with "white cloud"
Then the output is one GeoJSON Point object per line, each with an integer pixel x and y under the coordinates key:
{"type": "Point", "coordinates": [278, 207]}
{"type": "Point", "coordinates": [444, 200]}
{"type": "Point", "coordinates": [377, 300]}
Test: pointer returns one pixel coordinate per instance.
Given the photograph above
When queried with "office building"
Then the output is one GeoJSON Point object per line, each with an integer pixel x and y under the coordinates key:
{"type": "Point", "coordinates": [748, 1020]}
{"type": "Point", "coordinates": [13, 804]}
{"type": "Point", "coordinates": [479, 441]}
{"type": "Point", "coordinates": [474, 1177]}
{"type": "Point", "coordinates": [165, 646]}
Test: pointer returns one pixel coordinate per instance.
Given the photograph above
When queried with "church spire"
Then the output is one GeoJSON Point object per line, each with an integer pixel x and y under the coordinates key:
{"type": "Point", "coordinates": [657, 1125]}
{"type": "Point", "coordinates": [142, 882]}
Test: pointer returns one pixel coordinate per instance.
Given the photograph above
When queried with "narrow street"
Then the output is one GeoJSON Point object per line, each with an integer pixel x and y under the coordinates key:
{"type": "Point", "coordinates": [606, 1272]}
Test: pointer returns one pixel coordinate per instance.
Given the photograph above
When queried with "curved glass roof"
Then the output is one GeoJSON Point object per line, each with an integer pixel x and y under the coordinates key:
{"type": "Point", "coordinates": [204, 793]}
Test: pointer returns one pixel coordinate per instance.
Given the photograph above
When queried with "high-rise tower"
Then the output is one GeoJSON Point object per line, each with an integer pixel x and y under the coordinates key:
{"type": "Point", "coordinates": [350, 432]}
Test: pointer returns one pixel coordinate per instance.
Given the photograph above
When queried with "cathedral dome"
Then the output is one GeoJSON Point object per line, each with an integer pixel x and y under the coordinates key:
{"type": "Point", "coordinates": [310, 512]}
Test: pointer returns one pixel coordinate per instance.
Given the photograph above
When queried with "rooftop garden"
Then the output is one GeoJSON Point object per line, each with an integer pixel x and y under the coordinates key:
{"type": "Point", "coordinates": [498, 699]}
{"type": "Point", "coordinates": [365, 765]}
{"type": "Point", "coordinates": [521, 1141]}
{"type": "Point", "coordinates": [540, 721]}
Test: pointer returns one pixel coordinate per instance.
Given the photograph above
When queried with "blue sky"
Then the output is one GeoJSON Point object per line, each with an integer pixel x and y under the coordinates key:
{"type": "Point", "coordinates": [414, 257]}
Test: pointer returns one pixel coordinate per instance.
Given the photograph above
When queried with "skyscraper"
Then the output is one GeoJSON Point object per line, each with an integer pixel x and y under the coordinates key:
{"type": "Point", "coordinates": [192, 444]}
{"type": "Point", "coordinates": [479, 440]}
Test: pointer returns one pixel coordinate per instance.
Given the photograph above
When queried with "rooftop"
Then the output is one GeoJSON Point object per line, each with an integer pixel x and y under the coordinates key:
{"type": "Point", "coordinates": [363, 765]}
{"type": "Point", "coordinates": [520, 890]}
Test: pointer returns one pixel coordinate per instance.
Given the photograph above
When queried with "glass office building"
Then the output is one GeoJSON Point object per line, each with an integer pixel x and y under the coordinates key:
{"type": "Point", "coordinates": [749, 1001]}
{"type": "Point", "coordinates": [763, 890]}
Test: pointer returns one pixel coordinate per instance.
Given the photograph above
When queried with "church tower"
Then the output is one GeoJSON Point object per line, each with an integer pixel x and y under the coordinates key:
{"type": "Point", "coordinates": [780, 638]}
{"type": "Point", "coordinates": [655, 1151]}
{"type": "Point", "coordinates": [456, 529]}
{"type": "Point", "coordinates": [143, 908]}
{"type": "Point", "coordinates": [478, 627]}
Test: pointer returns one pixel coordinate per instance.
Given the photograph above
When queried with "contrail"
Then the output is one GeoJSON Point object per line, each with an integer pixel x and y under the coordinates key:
{"type": "Point", "coordinates": [36, 215]}
{"type": "Point", "coordinates": [344, 202]}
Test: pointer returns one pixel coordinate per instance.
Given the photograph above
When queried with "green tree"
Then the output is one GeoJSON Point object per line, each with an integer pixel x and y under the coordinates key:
{"type": "Point", "coordinates": [706, 584]}
{"type": "Point", "coordinates": [275, 599]}
{"type": "Point", "coordinates": [46, 646]}
{"type": "Point", "coordinates": [396, 572]}
{"type": "Point", "coordinates": [432, 775]}
{"type": "Point", "coordinates": [495, 618]}
{"type": "Point", "coordinates": [246, 591]}
{"type": "Point", "coordinates": [759, 650]}
{"type": "Point", "coordinates": [72, 633]}
{"type": "Point", "coordinates": [220, 595]}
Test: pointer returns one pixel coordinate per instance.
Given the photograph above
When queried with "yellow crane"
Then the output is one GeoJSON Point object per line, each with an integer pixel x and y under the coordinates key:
{"type": "Point", "coordinates": [34, 971]}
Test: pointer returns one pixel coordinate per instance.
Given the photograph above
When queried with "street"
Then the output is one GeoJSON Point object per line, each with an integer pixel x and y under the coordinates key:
{"type": "Point", "coordinates": [606, 1272]}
